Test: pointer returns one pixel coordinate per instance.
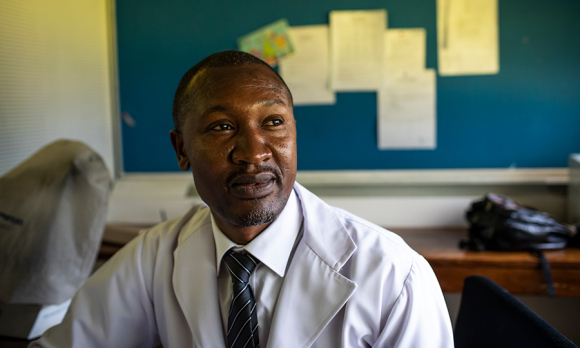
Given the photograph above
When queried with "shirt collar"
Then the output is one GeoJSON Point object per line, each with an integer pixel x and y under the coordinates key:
{"type": "Point", "coordinates": [273, 245]}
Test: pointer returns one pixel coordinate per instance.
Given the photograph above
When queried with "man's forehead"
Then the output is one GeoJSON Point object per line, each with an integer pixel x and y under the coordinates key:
{"type": "Point", "coordinates": [215, 81]}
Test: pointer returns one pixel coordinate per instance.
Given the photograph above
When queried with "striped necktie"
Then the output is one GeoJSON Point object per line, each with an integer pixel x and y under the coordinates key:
{"type": "Point", "coordinates": [242, 331]}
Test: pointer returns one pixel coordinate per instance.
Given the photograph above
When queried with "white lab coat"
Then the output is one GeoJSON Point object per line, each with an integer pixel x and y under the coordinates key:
{"type": "Point", "coordinates": [350, 284]}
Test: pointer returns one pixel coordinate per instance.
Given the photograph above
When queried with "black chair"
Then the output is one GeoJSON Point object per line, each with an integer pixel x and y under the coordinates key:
{"type": "Point", "coordinates": [489, 316]}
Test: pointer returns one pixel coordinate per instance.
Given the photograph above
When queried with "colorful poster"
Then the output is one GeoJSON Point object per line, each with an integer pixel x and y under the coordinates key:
{"type": "Point", "coordinates": [268, 43]}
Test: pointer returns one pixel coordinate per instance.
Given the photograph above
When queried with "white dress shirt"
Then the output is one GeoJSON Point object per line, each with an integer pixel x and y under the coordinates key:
{"type": "Point", "coordinates": [274, 248]}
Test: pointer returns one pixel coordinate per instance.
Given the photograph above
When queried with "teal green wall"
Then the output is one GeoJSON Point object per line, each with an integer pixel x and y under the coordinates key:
{"type": "Point", "coordinates": [528, 115]}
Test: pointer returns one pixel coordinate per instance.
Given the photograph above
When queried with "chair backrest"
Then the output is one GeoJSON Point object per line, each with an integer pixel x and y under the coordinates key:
{"type": "Point", "coordinates": [53, 209]}
{"type": "Point", "coordinates": [489, 316]}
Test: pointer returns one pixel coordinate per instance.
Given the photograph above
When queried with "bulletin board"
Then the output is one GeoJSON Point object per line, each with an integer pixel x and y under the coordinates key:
{"type": "Point", "coordinates": [528, 115]}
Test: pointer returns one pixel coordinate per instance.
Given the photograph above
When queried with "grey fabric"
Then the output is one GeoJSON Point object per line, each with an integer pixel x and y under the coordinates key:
{"type": "Point", "coordinates": [53, 210]}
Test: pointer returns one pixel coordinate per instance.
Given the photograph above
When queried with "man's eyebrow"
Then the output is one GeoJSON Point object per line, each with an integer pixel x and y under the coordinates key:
{"type": "Point", "coordinates": [270, 102]}
{"type": "Point", "coordinates": [215, 108]}
{"type": "Point", "coordinates": [223, 108]}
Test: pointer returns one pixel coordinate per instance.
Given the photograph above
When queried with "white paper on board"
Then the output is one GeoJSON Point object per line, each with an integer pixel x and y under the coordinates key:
{"type": "Point", "coordinates": [405, 50]}
{"type": "Point", "coordinates": [357, 50]}
{"type": "Point", "coordinates": [407, 111]}
{"type": "Point", "coordinates": [306, 70]}
{"type": "Point", "coordinates": [467, 37]}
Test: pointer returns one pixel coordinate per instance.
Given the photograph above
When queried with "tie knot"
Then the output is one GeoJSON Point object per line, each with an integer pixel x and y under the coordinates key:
{"type": "Point", "coordinates": [241, 265]}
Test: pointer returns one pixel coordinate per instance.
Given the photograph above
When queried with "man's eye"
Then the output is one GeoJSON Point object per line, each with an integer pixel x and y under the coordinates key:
{"type": "Point", "coordinates": [275, 122]}
{"type": "Point", "coordinates": [222, 127]}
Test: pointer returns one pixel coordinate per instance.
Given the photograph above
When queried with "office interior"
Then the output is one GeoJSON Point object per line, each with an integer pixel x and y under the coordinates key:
{"type": "Point", "coordinates": [105, 72]}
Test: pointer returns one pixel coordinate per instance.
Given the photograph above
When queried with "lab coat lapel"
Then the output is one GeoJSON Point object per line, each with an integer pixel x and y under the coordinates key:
{"type": "Point", "coordinates": [313, 291]}
{"type": "Point", "coordinates": [195, 283]}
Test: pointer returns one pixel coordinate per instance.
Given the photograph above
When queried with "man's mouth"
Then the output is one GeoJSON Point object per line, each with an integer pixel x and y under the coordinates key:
{"type": "Point", "coordinates": [253, 186]}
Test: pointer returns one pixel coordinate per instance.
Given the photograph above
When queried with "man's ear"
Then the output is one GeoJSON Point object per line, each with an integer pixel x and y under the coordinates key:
{"type": "Point", "coordinates": [178, 146]}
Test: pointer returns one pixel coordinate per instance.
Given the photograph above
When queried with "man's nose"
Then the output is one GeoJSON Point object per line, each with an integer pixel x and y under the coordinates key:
{"type": "Point", "coordinates": [251, 148]}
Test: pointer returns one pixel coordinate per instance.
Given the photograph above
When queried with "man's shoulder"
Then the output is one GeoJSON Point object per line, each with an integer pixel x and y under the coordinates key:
{"type": "Point", "coordinates": [153, 248]}
{"type": "Point", "coordinates": [173, 231]}
{"type": "Point", "coordinates": [371, 241]}
{"type": "Point", "coordinates": [369, 235]}
{"type": "Point", "coordinates": [381, 260]}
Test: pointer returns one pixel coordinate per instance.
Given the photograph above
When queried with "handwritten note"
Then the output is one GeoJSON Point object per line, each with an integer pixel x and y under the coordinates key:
{"type": "Point", "coordinates": [467, 37]}
{"type": "Point", "coordinates": [405, 50]}
{"type": "Point", "coordinates": [306, 70]}
{"type": "Point", "coordinates": [407, 111]}
{"type": "Point", "coordinates": [357, 49]}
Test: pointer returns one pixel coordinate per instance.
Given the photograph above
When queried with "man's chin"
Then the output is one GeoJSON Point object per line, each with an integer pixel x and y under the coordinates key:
{"type": "Point", "coordinates": [255, 212]}
{"type": "Point", "coordinates": [254, 218]}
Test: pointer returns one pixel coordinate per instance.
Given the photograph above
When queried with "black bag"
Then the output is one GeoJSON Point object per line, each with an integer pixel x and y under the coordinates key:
{"type": "Point", "coordinates": [498, 223]}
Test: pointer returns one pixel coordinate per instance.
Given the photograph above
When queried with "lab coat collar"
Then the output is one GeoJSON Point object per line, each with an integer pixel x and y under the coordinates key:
{"type": "Point", "coordinates": [313, 291]}
{"type": "Point", "coordinates": [326, 236]}
{"type": "Point", "coordinates": [196, 293]}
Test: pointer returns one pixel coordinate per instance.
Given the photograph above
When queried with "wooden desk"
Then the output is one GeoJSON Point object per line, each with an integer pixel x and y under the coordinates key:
{"type": "Point", "coordinates": [517, 272]}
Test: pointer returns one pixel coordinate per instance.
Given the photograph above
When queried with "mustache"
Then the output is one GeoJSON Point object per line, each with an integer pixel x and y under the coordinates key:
{"type": "Point", "coordinates": [256, 169]}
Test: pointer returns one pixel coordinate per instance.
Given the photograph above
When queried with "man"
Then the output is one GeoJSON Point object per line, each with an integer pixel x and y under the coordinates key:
{"type": "Point", "coordinates": [266, 262]}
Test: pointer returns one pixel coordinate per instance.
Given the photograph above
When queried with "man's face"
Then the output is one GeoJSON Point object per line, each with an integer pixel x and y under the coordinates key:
{"type": "Point", "coordinates": [240, 140]}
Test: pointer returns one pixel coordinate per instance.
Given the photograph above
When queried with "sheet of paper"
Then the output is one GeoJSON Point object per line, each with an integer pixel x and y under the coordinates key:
{"type": "Point", "coordinates": [357, 49]}
{"type": "Point", "coordinates": [405, 50]}
{"type": "Point", "coordinates": [269, 42]}
{"type": "Point", "coordinates": [306, 70]}
{"type": "Point", "coordinates": [467, 37]}
{"type": "Point", "coordinates": [407, 111]}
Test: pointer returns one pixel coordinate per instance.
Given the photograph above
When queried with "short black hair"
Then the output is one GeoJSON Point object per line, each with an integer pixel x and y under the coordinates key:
{"type": "Point", "coordinates": [183, 95]}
